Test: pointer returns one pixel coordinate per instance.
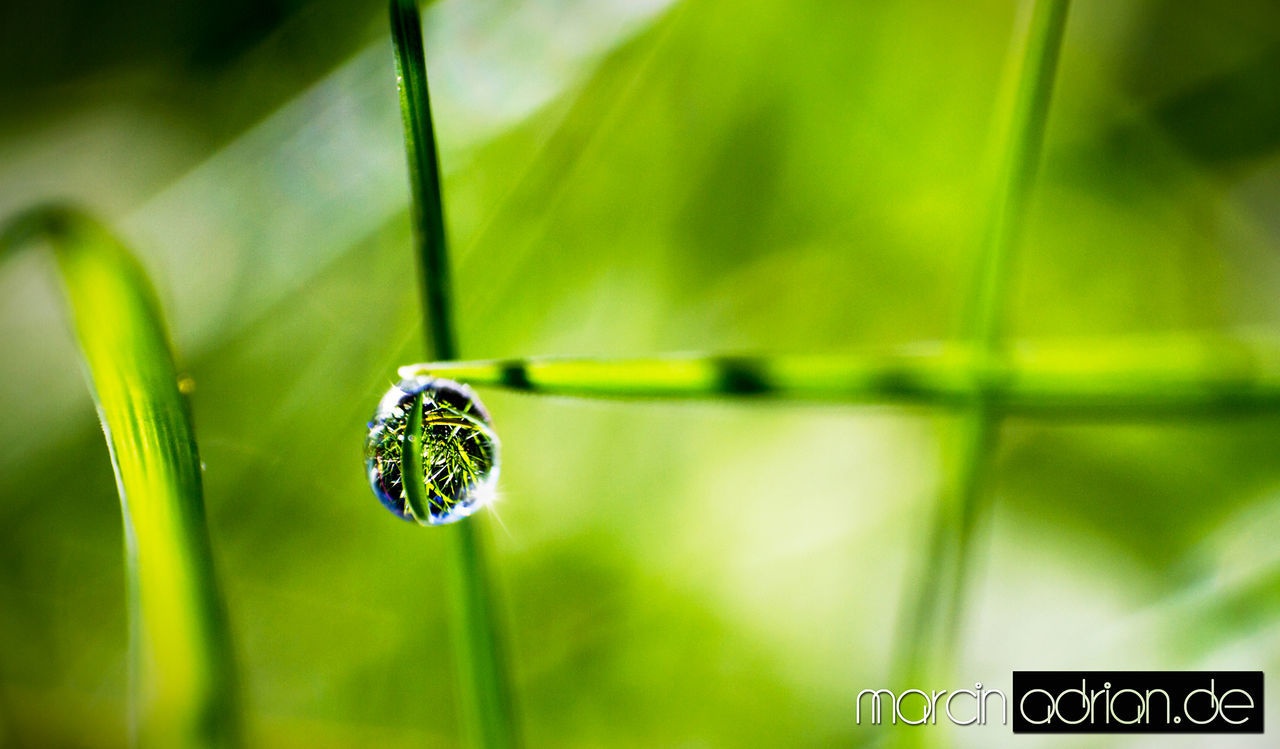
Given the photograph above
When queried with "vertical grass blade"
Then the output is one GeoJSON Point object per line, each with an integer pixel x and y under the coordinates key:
{"type": "Point", "coordinates": [182, 677]}
{"type": "Point", "coordinates": [426, 205]}
{"type": "Point", "coordinates": [488, 711]}
{"type": "Point", "coordinates": [1024, 138]}
{"type": "Point", "coordinates": [931, 628]}
{"type": "Point", "coordinates": [485, 695]}
{"type": "Point", "coordinates": [1033, 67]}
{"type": "Point", "coordinates": [415, 488]}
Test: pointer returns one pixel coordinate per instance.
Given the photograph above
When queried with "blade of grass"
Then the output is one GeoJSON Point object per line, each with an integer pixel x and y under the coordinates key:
{"type": "Point", "coordinates": [1014, 183]}
{"type": "Point", "coordinates": [182, 676]}
{"type": "Point", "coordinates": [1170, 379]}
{"type": "Point", "coordinates": [486, 699]}
{"type": "Point", "coordinates": [426, 205]}
{"type": "Point", "coordinates": [931, 630]}
{"type": "Point", "coordinates": [415, 488]}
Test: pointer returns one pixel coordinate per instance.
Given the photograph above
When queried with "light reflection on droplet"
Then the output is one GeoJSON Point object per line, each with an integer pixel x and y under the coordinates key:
{"type": "Point", "coordinates": [460, 457]}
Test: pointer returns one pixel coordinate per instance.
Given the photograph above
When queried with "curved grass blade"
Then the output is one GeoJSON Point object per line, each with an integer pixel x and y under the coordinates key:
{"type": "Point", "coordinates": [415, 489]}
{"type": "Point", "coordinates": [182, 676]}
{"type": "Point", "coordinates": [1175, 378]}
{"type": "Point", "coordinates": [486, 699]}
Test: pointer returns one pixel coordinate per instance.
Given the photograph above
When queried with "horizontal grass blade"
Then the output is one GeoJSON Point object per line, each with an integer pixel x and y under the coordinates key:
{"type": "Point", "coordinates": [1115, 379]}
{"type": "Point", "coordinates": [182, 673]}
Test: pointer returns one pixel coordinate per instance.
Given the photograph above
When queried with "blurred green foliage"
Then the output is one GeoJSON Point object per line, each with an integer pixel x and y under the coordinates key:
{"type": "Point", "coordinates": [759, 177]}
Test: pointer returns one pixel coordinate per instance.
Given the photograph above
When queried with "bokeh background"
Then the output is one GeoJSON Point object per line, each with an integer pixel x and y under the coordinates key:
{"type": "Point", "coordinates": [626, 177]}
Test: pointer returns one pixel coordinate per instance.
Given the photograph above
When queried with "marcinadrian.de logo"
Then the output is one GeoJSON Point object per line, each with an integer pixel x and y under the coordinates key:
{"type": "Point", "coordinates": [1137, 702]}
{"type": "Point", "coordinates": [1084, 702]}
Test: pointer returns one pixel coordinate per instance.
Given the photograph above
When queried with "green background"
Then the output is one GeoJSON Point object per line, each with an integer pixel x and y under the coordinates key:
{"type": "Point", "coordinates": [629, 179]}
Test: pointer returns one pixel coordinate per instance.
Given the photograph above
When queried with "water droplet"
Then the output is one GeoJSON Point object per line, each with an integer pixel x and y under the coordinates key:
{"type": "Point", "coordinates": [460, 452]}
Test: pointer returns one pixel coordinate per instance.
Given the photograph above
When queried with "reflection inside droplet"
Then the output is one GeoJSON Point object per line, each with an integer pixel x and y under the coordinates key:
{"type": "Point", "coordinates": [459, 450]}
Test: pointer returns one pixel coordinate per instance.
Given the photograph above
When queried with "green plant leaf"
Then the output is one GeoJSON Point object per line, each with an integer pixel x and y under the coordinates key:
{"type": "Point", "coordinates": [1177, 376]}
{"type": "Point", "coordinates": [478, 649]}
{"type": "Point", "coordinates": [415, 490]}
{"type": "Point", "coordinates": [929, 637]}
{"type": "Point", "coordinates": [183, 678]}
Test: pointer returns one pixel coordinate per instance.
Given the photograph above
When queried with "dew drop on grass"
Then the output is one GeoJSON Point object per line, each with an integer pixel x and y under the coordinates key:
{"type": "Point", "coordinates": [460, 454]}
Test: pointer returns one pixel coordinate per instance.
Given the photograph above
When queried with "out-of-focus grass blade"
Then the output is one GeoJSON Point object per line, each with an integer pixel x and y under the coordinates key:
{"type": "Point", "coordinates": [929, 636]}
{"type": "Point", "coordinates": [182, 673]}
{"type": "Point", "coordinates": [1176, 377]}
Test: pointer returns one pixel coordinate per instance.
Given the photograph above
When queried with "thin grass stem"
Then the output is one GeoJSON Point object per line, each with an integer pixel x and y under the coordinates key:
{"type": "Point", "coordinates": [486, 699]}
{"type": "Point", "coordinates": [1169, 379]}
{"type": "Point", "coordinates": [426, 204]}
{"type": "Point", "coordinates": [415, 487]}
{"type": "Point", "coordinates": [182, 677]}
{"type": "Point", "coordinates": [932, 629]}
